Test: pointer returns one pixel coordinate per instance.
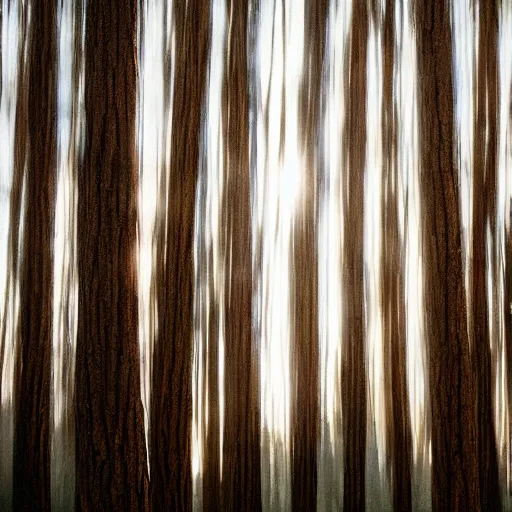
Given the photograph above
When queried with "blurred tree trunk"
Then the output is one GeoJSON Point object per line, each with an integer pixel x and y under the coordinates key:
{"type": "Point", "coordinates": [507, 309]}
{"type": "Point", "coordinates": [241, 475]}
{"type": "Point", "coordinates": [305, 392]}
{"type": "Point", "coordinates": [398, 434]}
{"type": "Point", "coordinates": [171, 399]}
{"type": "Point", "coordinates": [485, 149]}
{"type": "Point", "coordinates": [354, 364]}
{"type": "Point", "coordinates": [111, 464]}
{"type": "Point", "coordinates": [31, 470]}
{"type": "Point", "coordinates": [454, 430]}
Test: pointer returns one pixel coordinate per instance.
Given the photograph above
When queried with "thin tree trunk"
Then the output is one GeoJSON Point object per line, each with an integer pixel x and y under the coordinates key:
{"type": "Point", "coordinates": [241, 473]}
{"type": "Point", "coordinates": [354, 367]}
{"type": "Point", "coordinates": [211, 469]}
{"type": "Point", "coordinates": [454, 433]}
{"type": "Point", "coordinates": [171, 394]}
{"type": "Point", "coordinates": [393, 287]}
{"type": "Point", "coordinates": [507, 309]}
{"type": "Point", "coordinates": [305, 393]}
{"type": "Point", "coordinates": [484, 213]}
{"type": "Point", "coordinates": [31, 470]}
{"type": "Point", "coordinates": [111, 465]}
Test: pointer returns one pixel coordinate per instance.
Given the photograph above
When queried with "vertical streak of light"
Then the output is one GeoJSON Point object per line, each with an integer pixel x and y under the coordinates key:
{"type": "Point", "coordinates": [465, 42]}
{"type": "Point", "coordinates": [407, 122]}
{"type": "Point", "coordinates": [156, 48]}
{"type": "Point", "coordinates": [9, 297]}
{"type": "Point", "coordinates": [278, 163]}
{"type": "Point", "coordinates": [330, 469]}
{"type": "Point", "coordinates": [8, 100]}
{"type": "Point", "coordinates": [70, 98]}
{"type": "Point", "coordinates": [378, 491]}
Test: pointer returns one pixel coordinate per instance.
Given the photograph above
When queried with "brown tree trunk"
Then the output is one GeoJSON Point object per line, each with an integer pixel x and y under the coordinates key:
{"type": "Point", "coordinates": [211, 468]}
{"type": "Point", "coordinates": [454, 433]}
{"type": "Point", "coordinates": [507, 309]}
{"type": "Point", "coordinates": [171, 398]}
{"type": "Point", "coordinates": [31, 470]}
{"type": "Point", "coordinates": [111, 464]}
{"type": "Point", "coordinates": [484, 213]}
{"type": "Point", "coordinates": [305, 392]}
{"type": "Point", "coordinates": [398, 434]}
{"type": "Point", "coordinates": [354, 366]}
{"type": "Point", "coordinates": [241, 474]}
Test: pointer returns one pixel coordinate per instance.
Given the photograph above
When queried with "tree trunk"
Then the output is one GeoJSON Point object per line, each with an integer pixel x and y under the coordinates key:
{"type": "Point", "coordinates": [454, 432]}
{"type": "Point", "coordinates": [31, 470]}
{"type": "Point", "coordinates": [398, 430]}
{"type": "Point", "coordinates": [211, 468]}
{"type": "Point", "coordinates": [171, 398]}
{"type": "Point", "coordinates": [484, 214]}
{"type": "Point", "coordinates": [305, 391]}
{"type": "Point", "coordinates": [241, 474]}
{"type": "Point", "coordinates": [354, 365]}
{"type": "Point", "coordinates": [111, 464]}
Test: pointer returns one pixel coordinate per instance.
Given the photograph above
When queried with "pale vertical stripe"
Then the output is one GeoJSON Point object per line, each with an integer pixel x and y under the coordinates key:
{"type": "Point", "coordinates": [330, 460]}
{"type": "Point", "coordinates": [9, 309]}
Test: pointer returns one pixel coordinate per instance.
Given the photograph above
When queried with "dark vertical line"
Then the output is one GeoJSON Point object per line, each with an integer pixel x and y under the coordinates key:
{"type": "Point", "coordinates": [241, 471]}
{"type": "Point", "coordinates": [304, 273]}
{"type": "Point", "coordinates": [452, 392]}
{"type": "Point", "coordinates": [211, 469]}
{"type": "Point", "coordinates": [484, 214]}
{"type": "Point", "coordinates": [398, 429]}
{"type": "Point", "coordinates": [171, 395]}
{"type": "Point", "coordinates": [507, 309]}
{"type": "Point", "coordinates": [111, 466]}
{"type": "Point", "coordinates": [354, 368]}
{"type": "Point", "coordinates": [31, 469]}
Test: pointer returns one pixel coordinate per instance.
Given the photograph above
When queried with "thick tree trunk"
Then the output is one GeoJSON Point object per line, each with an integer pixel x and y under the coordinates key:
{"type": "Point", "coordinates": [398, 434]}
{"type": "Point", "coordinates": [31, 471]}
{"type": "Point", "coordinates": [241, 474]}
{"type": "Point", "coordinates": [484, 213]}
{"type": "Point", "coordinates": [305, 392]}
{"type": "Point", "coordinates": [111, 465]}
{"type": "Point", "coordinates": [354, 366]}
{"type": "Point", "coordinates": [454, 433]}
{"type": "Point", "coordinates": [171, 399]}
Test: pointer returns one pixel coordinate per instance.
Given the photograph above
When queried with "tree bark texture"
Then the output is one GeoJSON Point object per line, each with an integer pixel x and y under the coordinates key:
{"type": "Point", "coordinates": [398, 421]}
{"type": "Point", "coordinates": [484, 214]}
{"type": "Point", "coordinates": [454, 430]}
{"type": "Point", "coordinates": [111, 463]}
{"type": "Point", "coordinates": [171, 399]}
{"type": "Point", "coordinates": [305, 391]}
{"type": "Point", "coordinates": [31, 470]}
{"type": "Point", "coordinates": [241, 473]}
{"type": "Point", "coordinates": [211, 463]}
{"type": "Point", "coordinates": [353, 378]}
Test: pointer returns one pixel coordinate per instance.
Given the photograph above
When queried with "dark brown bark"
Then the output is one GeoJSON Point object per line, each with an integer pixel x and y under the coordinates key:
{"type": "Point", "coordinates": [171, 399]}
{"type": "Point", "coordinates": [454, 434]}
{"type": "Point", "coordinates": [111, 465]}
{"type": "Point", "coordinates": [31, 468]}
{"type": "Point", "coordinates": [241, 472]}
{"type": "Point", "coordinates": [305, 391]}
{"type": "Point", "coordinates": [353, 369]}
{"type": "Point", "coordinates": [211, 468]}
{"type": "Point", "coordinates": [484, 213]}
{"type": "Point", "coordinates": [507, 311]}
{"type": "Point", "coordinates": [398, 430]}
